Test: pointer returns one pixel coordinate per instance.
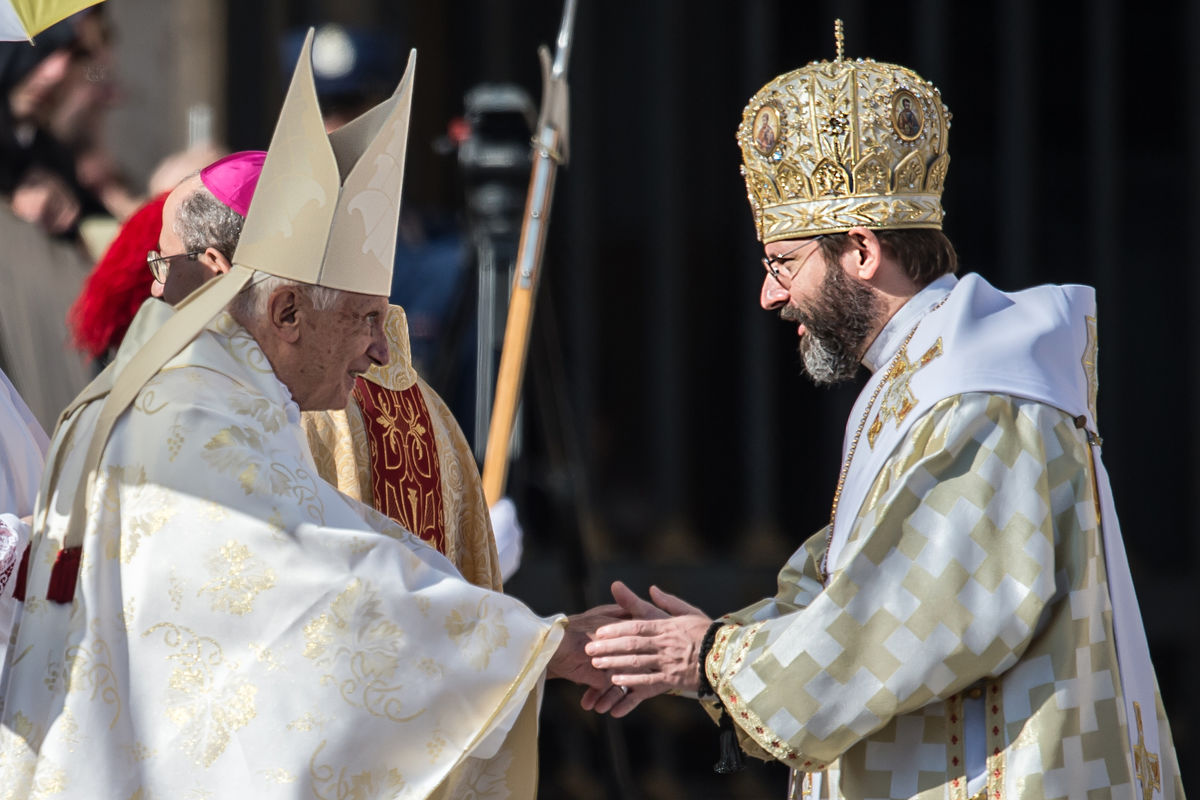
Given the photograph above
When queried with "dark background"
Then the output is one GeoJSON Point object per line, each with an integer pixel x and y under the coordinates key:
{"type": "Point", "coordinates": [670, 436]}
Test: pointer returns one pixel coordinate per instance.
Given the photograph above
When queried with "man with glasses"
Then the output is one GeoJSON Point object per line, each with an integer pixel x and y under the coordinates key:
{"type": "Point", "coordinates": [396, 446]}
{"type": "Point", "coordinates": [205, 616]}
{"type": "Point", "coordinates": [965, 625]}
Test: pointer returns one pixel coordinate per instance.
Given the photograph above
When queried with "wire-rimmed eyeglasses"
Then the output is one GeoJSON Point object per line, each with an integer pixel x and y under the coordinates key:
{"type": "Point", "coordinates": [160, 265]}
{"type": "Point", "coordinates": [782, 277]}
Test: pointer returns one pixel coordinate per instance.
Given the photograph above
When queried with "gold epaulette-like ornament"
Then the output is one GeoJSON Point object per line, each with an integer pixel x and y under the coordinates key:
{"type": "Point", "coordinates": [839, 144]}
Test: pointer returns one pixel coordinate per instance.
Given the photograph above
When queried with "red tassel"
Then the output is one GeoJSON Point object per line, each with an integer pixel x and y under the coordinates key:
{"type": "Point", "coordinates": [63, 575]}
{"type": "Point", "coordinates": [22, 574]}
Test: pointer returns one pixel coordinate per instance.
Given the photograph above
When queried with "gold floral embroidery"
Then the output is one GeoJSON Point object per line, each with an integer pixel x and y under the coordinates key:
{"type": "Point", "coordinates": [175, 589]}
{"type": "Point", "coordinates": [141, 506]}
{"type": "Point", "coordinates": [139, 751]}
{"type": "Point", "coordinates": [146, 402]}
{"type": "Point", "coordinates": [898, 399]}
{"type": "Point", "coordinates": [279, 775]}
{"type": "Point", "coordinates": [245, 453]}
{"type": "Point", "coordinates": [207, 711]}
{"type": "Point", "coordinates": [238, 342]}
{"type": "Point", "coordinates": [362, 650]}
{"type": "Point", "coordinates": [306, 723]}
{"type": "Point", "coordinates": [269, 416]}
{"type": "Point", "coordinates": [175, 441]}
{"type": "Point", "coordinates": [435, 746]}
{"type": "Point", "coordinates": [19, 742]}
{"type": "Point", "coordinates": [240, 578]}
{"type": "Point", "coordinates": [90, 668]}
{"type": "Point", "coordinates": [242, 452]}
{"type": "Point", "coordinates": [128, 612]}
{"type": "Point", "coordinates": [266, 656]}
{"type": "Point", "coordinates": [330, 783]}
{"type": "Point", "coordinates": [478, 632]}
{"type": "Point", "coordinates": [67, 729]}
{"type": "Point", "coordinates": [486, 779]}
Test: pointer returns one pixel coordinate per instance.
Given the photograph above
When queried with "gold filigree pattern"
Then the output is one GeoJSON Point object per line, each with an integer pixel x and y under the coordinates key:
{"type": "Point", "coordinates": [238, 342]}
{"type": "Point", "coordinates": [307, 722]}
{"type": "Point", "coordinates": [839, 144]}
{"type": "Point", "coordinates": [435, 746]}
{"type": "Point", "coordinates": [122, 489]}
{"type": "Point", "coordinates": [244, 453]}
{"type": "Point", "coordinates": [238, 578]}
{"type": "Point", "coordinates": [362, 650]}
{"type": "Point", "coordinates": [334, 783]}
{"type": "Point", "coordinates": [478, 632]}
{"type": "Point", "coordinates": [486, 779]}
{"type": "Point", "coordinates": [405, 467]}
{"type": "Point", "coordinates": [175, 589]}
{"type": "Point", "coordinates": [128, 613]}
{"type": "Point", "coordinates": [206, 709]}
{"type": "Point", "coordinates": [19, 742]}
{"type": "Point", "coordinates": [139, 752]}
{"type": "Point", "coordinates": [89, 668]}
{"type": "Point", "coordinates": [270, 417]}
{"type": "Point", "coordinates": [897, 398]}
{"type": "Point", "coordinates": [266, 656]}
{"type": "Point", "coordinates": [1146, 764]}
{"type": "Point", "coordinates": [278, 775]}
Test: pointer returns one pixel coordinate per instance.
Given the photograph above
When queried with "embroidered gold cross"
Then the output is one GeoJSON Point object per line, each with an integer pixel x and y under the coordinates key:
{"type": "Point", "coordinates": [1145, 762]}
{"type": "Point", "coordinates": [898, 398]}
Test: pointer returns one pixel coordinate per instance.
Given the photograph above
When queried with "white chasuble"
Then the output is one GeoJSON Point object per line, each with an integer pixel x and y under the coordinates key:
{"type": "Point", "coordinates": [242, 629]}
{"type": "Point", "coordinates": [977, 631]}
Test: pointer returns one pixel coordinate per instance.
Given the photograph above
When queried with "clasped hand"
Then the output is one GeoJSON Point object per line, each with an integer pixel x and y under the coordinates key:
{"type": "Point", "coordinates": [655, 651]}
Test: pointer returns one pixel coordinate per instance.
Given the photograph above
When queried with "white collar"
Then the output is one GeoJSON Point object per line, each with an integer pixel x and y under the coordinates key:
{"type": "Point", "coordinates": [888, 341]}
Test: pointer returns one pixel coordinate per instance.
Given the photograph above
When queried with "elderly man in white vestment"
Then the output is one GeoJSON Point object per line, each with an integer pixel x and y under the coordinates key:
{"type": "Point", "coordinates": [965, 626]}
{"type": "Point", "coordinates": [205, 616]}
{"type": "Point", "coordinates": [395, 445]}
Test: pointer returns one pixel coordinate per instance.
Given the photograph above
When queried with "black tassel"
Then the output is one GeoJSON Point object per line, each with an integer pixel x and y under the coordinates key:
{"type": "Point", "coordinates": [731, 751]}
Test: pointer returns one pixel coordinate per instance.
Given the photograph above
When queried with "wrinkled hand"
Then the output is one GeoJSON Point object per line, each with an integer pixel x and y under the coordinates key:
{"type": "Point", "coordinates": [656, 651]}
{"type": "Point", "coordinates": [570, 661]}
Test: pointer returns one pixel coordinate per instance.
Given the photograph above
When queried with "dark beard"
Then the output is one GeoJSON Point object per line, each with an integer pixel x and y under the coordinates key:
{"type": "Point", "coordinates": [837, 324]}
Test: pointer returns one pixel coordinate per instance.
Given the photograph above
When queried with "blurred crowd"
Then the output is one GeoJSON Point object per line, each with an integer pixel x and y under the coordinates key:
{"type": "Point", "coordinates": [76, 229]}
{"type": "Point", "coordinates": [63, 200]}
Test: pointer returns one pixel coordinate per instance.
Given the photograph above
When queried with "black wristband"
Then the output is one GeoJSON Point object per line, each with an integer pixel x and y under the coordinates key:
{"type": "Point", "coordinates": [706, 644]}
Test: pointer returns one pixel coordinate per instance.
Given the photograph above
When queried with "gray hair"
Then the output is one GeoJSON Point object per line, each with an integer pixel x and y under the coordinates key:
{"type": "Point", "coordinates": [204, 221]}
{"type": "Point", "coordinates": [251, 302]}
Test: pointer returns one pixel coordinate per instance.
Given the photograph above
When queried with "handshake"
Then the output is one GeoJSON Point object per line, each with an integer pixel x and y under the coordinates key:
{"type": "Point", "coordinates": [631, 650]}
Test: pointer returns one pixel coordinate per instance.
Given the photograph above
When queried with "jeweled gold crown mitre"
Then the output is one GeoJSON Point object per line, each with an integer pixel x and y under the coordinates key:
{"type": "Point", "coordinates": [839, 144]}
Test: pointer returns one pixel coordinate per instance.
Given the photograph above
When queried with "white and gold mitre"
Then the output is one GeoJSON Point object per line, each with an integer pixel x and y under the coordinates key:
{"type": "Point", "coordinates": [840, 144]}
{"type": "Point", "coordinates": [325, 212]}
{"type": "Point", "coordinates": [327, 207]}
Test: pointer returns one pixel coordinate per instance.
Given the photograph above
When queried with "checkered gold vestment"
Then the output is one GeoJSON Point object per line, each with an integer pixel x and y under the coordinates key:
{"type": "Point", "coordinates": [964, 641]}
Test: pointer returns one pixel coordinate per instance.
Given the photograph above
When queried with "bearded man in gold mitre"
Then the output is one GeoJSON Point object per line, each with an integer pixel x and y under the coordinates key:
{"type": "Point", "coordinates": [203, 615]}
{"type": "Point", "coordinates": [965, 625]}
